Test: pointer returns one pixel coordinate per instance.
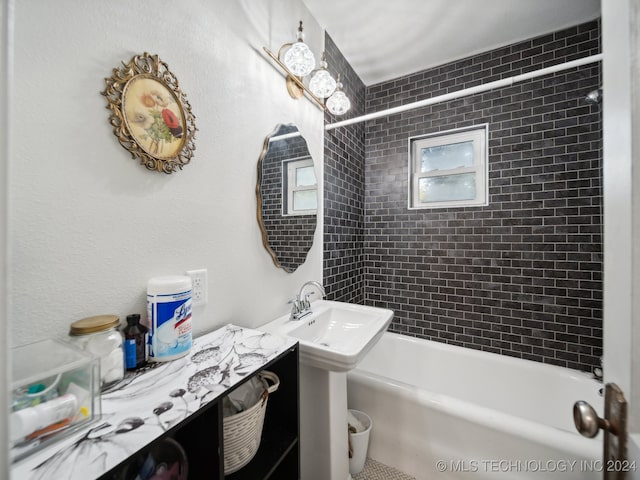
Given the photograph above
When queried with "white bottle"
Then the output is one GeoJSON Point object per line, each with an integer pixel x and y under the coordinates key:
{"type": "Point", "coordinates": [29, 420]}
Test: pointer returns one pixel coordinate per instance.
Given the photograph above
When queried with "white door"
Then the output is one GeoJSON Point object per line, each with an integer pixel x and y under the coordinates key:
{"type": "Point", "coordinates": [621, 165]}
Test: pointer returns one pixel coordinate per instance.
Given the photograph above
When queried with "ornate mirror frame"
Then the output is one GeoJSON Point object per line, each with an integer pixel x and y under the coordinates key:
{"type": "Point", "coordinates": [306, 235]}
{"type": "Point", "coordinates": [150, 114]}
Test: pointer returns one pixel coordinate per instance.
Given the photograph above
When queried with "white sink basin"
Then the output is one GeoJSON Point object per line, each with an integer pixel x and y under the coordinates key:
{"type": "Point", "coordinates": [336, 335]}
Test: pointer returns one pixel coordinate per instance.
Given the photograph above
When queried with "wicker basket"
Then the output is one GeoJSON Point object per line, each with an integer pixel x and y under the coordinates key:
{"type": "Point", "coordinates": [242, 431]}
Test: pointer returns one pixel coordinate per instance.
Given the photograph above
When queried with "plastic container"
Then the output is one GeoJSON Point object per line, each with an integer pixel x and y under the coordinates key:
{"type": "Point", "coordinates": [169, 317]}
{"type": "Point", "coordinates": [55, 390]}
{"type": "Point", "coordinates": [135, 343]}
{"type": "Point", "coordinates": [360, 442]}
{"type": "Point", "coordinates": [100, 336]}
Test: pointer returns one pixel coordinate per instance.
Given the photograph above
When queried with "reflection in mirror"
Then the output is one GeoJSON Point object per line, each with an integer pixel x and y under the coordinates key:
{"type": "Point", "coordinates": [287, 194]}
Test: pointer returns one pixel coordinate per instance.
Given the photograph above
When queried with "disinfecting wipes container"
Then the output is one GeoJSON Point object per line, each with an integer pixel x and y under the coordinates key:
{"type": "Point", "coordinates": [169, 317]}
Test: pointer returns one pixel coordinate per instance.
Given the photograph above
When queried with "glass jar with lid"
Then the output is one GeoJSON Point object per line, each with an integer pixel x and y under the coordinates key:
{"type": "Point", "coordinates": [100, 336]}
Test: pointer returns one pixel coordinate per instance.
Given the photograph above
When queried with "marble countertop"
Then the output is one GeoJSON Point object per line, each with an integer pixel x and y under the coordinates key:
{"type": "Point", "coordinates": [150, 401]}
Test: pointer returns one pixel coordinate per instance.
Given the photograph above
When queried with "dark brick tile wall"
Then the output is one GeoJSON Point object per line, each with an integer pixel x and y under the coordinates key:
{"type": "Point", "coordinates": [290, 237]}
{"type": "Point", "coordinates": [522, 276]}
{"type": "Point", "coordinates": [344, 152]}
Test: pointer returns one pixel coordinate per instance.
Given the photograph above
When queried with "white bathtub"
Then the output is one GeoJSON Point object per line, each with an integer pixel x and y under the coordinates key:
{"type": "Point", "coordinates": [441, 411]}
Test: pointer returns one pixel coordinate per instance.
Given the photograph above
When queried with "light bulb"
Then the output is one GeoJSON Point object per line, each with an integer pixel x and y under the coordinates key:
{"type": "Point", "coordinates": [322, 83]}
{"type": "Point", "coordinates": [338, 103]}
{"type": "Point", "coordinates": [299, 58]}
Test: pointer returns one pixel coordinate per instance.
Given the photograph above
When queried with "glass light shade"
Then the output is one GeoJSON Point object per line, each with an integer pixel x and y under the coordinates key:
{"type": "Point", "coordinates": [322, 83]}
{"type": "Point", "coordinates": [299, 59]}
{"type": "Point", "coordinates": [338, 103]}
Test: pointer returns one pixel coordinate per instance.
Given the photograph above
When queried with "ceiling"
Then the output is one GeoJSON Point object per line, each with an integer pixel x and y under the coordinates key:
{"type": "Point", "coordinates": [384, 39]}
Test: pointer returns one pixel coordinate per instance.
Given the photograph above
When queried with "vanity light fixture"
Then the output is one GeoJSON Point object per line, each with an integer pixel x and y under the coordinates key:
{"type": "Point", "coordinates": [297, 61]}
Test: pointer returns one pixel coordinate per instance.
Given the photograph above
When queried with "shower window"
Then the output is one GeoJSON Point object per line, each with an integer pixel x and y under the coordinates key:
{"type": "Point", "coordinates": [300, 196]}
{"type": "Point", "coordinates": [449, 169]}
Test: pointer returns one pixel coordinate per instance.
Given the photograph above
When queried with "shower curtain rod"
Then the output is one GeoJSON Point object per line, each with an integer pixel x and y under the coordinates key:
{"type": "Point", "coordinates": [505, 82]}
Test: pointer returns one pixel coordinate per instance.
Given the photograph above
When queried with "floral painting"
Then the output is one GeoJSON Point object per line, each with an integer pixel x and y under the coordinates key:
{"type": "Point", "coordinates": [153, 116]}
{"type": "Point", "coordinates": [150, 114]}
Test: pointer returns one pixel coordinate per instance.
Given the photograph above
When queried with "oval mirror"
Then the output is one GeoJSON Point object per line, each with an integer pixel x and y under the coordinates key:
{"type": "Point", "coordinates": [287, 194]}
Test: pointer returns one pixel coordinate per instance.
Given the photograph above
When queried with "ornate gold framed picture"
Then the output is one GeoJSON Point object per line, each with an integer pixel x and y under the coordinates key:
{"type": "Point", "coordinates": [150, 114]}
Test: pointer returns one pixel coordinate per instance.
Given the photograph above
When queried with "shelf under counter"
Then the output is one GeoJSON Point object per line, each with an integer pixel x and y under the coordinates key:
{"type": "Point", "coordinates": [275, 446]}
{"type": "Point", "coordinates": [169, 399]}
{"type": "Point", "coordinates": [278, 456]}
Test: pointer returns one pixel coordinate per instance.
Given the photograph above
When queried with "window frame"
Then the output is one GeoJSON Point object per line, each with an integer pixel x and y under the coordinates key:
{"type": "Point", "coordinates": [478, 134]}
{"type": "Point", "coordinates": [288, 173]}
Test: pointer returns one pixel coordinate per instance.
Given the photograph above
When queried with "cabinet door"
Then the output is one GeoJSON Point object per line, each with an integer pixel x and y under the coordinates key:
{"type": "Point", "coordinates": [201, 436]}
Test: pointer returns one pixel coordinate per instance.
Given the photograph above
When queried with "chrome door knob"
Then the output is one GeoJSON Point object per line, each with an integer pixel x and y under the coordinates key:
{"type": "Point", "coordinates": [587, 421]}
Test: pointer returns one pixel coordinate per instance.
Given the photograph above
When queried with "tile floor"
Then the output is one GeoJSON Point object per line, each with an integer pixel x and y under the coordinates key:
{"type": "Point", "coordinates": [377, 471]}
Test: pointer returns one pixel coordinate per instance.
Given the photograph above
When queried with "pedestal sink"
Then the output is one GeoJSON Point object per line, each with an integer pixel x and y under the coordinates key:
{"type": "Point", "coordinates": [333, 338]}
{"type": "Point", "coordinates": [334, 335]}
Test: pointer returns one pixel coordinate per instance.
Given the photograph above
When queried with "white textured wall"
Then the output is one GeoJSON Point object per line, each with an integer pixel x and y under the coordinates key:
{"type": "Point", "coordinates": [6, 48]}
{"type": "Point", "coordinates": [89, 225]}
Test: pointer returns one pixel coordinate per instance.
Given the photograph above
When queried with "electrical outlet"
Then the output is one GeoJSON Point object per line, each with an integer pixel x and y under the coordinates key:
{"type": "Point", "coordinates": [199, 287]}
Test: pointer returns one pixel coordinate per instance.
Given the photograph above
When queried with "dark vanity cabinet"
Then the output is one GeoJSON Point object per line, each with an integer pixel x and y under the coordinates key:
{"type": "Point", "coordinates": [181, 402]}
{"type": "Point", "coordinates": [201, 435]}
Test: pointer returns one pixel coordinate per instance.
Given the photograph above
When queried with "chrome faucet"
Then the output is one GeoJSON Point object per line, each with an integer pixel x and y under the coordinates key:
{"type": "Point", "coordinates": [301, 306]}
